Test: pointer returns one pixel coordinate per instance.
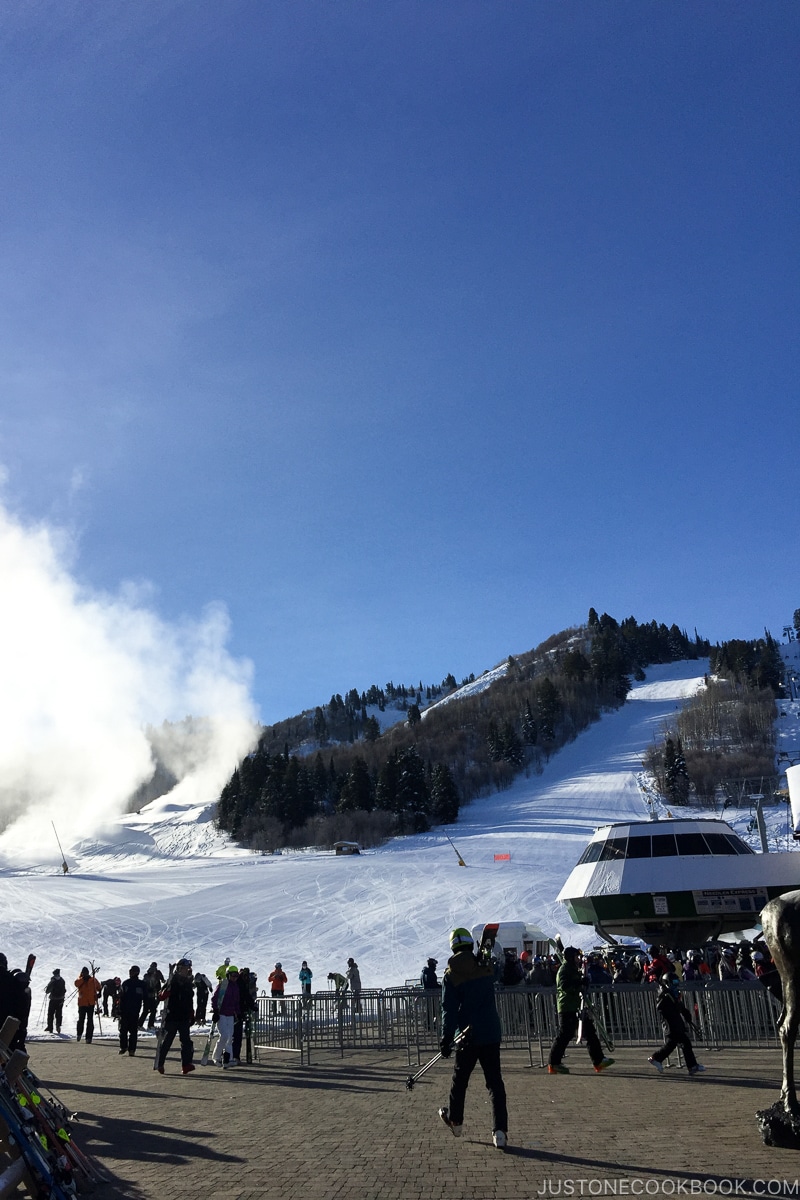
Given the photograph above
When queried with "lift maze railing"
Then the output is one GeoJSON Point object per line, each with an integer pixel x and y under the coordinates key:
{"type": "Point", "coordinates": [408, 1019]}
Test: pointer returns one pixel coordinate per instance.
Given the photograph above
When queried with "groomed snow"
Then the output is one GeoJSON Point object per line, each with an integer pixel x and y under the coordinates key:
{"type": "Point", "coordinates": [163, 883]}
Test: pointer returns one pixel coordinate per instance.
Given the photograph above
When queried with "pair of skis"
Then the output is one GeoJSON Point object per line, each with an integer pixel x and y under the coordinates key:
{"type": "Point", "coordinates": [36, 1126]}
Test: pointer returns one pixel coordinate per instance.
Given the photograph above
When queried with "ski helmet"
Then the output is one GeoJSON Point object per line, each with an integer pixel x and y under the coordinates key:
{"type": "Point", "coordinates": [461, 939]}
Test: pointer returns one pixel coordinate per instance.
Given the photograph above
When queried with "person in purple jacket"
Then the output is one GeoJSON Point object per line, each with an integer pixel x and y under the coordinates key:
{"type": "Point", "coordinates": [226, 1006]}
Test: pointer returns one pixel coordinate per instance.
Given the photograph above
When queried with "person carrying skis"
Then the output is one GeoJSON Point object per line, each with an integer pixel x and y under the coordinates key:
{"type": "Point", "coordinates": [569, 1002]}
{"type": "Point", "coordinates": [88, 992]}
{"type": "Point", "coordinates": [133, 997]}
{"type": "Point", "coordinates": [56, 990]}
{"type": "Point", "coordinates": [178, 996]}
{"type": "Point", "coordinates": [222, 970]}
{"type": "Point", "coordinates": [674, 1016]}
{"type": "Point", "coordinates": [226, 1006]}
{"type": "Point", "coordinates": [469, 1010]}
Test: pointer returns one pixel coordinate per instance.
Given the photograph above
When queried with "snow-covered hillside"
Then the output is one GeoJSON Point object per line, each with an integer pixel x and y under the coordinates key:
{"type": "Point", "coordinates": [162, 883]}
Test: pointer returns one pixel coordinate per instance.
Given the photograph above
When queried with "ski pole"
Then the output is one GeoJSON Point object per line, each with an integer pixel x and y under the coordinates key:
{"type": "Point", "coordinates": [412, 1079]}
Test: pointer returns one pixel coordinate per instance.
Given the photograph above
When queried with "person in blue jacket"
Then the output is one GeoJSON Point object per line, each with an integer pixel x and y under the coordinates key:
{"type": "Point", "coordinates": [469, 1009]}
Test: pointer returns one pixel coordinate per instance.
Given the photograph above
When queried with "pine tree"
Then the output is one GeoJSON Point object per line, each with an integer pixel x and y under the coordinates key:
{"type": "Point", "coordinates": [443, 795]}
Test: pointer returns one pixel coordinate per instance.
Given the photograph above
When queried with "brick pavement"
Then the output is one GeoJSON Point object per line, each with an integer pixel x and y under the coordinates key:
{"type": "Point", "coordinates": [348, 1127]}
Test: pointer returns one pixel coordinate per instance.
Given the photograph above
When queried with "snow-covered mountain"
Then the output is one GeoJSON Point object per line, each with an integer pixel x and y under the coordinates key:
{"type": "Point", "coordinates": [162, 882]}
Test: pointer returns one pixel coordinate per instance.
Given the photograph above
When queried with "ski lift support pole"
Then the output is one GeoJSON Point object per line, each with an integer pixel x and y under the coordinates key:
{"type": "Point", "coordinates": [64, 867]}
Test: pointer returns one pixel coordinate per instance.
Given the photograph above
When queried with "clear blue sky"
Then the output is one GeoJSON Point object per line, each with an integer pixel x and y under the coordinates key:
{"type": "Point", "coordinates": [407, 330]}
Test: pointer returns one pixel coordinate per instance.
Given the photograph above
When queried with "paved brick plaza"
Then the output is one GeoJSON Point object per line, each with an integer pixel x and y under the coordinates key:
{"type": "Point", "coordinates": [350, 1128]}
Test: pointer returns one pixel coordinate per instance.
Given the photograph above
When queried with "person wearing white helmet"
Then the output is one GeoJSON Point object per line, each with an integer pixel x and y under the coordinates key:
{"type": "Point", "coordinates": [469, 1010]}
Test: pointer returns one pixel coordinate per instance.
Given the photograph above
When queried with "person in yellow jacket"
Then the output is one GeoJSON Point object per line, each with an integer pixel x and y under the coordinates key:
{"type": "Point", "coordinates": [88, 991]}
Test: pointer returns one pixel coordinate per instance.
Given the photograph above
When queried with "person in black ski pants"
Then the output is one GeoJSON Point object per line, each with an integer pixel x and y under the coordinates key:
{"type": "Point", "coordinates": [468, 1007]}
{"type": "Point", "coordinates": [133, 996]}
{"type": "Point", "coordinates": [247, 1004]}
{"type": "Point", "coordinates": [178, 1016]}
{"type": "Point", "coordinates": [56, 990]}
{"type": "Point", "coordinates": [154, 981]}
{"type": "Point", "coordinates": [674, 1015]}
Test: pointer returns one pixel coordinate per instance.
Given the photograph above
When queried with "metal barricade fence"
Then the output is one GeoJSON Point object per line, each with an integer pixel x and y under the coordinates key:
{"type": "Point", "coordinates": [409, 1019]}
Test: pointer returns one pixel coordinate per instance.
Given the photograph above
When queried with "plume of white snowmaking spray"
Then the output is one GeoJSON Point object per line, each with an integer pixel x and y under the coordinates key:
{"type": "Point", "coordinates": [82, 674]}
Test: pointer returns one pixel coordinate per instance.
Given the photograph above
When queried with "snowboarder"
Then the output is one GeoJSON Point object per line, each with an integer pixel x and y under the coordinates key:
{"type": "Point", "coordinates": [178, 1016]}
{"type": "Point", "coordinates": [133, 997]}
{"type": "Point", "coordinates": [56, 990]}
{"type": "Point", "coordinates": [569, 1001]}
{"type": "Point", "coordinates": [468, 1007]}
{"type": "Point", "coordinates": [674, 1016]}
{"type": "Point", "coordinates": [88, 992]}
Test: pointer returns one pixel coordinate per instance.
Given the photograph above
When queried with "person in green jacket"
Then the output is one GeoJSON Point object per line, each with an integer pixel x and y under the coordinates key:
{"type": "Point", "coordinates": [569, 1001]}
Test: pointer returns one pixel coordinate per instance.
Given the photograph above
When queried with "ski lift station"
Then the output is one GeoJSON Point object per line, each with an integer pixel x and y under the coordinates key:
{"type": "Point", "coordinates": [675, 882]}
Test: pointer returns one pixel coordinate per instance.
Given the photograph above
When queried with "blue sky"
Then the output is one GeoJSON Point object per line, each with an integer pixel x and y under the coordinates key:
{"type": "Point", "coordinates": [407, 331]}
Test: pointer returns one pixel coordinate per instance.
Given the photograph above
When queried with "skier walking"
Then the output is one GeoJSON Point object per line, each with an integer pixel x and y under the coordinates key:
{"type": "Point", "coordinates": [178, 1016]}
{"type": "Point", "coordinates": [56, 990]}
{"type": "Point", "coordinates": [226, 1006]}
{"type": "Point", "coordinates": [674, 1016]}
{"type": "Point", "coordinates": [569, 1001]}
{"type": "Point", "coordinates": [133, 997]}
{"type": "Point", "coordinates": [468, 1007]}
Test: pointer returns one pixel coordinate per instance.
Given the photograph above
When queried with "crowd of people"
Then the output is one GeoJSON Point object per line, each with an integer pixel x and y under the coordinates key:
{"type": "Point", "coordinates": [190, 998]}
{"type": "Point", "coordinates": [617, 965]}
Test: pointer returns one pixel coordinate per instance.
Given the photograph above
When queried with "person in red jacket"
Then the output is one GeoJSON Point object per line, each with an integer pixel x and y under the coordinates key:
{"type": "Point", "coordinates": [88, 991]}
